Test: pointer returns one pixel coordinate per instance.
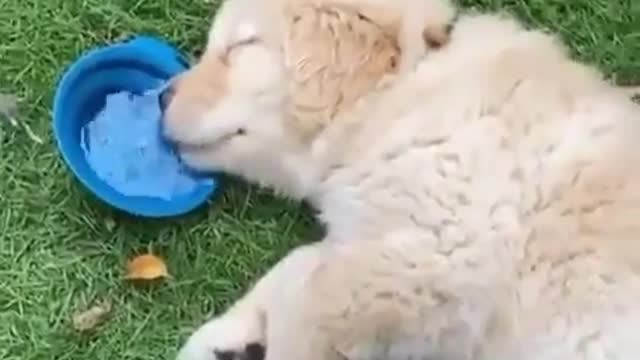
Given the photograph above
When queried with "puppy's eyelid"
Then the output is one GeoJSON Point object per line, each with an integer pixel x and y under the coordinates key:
{"type": "Point", "coordinates": [224, 57]}
{"type": "Point", "coordinates": [241, 43]}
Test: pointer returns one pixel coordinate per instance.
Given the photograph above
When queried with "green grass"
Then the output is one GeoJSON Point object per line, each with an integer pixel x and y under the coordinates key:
{"type": "Point", "coordinates": [61, 250]}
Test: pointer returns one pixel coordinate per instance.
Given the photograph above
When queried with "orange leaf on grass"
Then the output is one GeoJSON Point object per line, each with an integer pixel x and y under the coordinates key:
{"type": "Point", "coordinates": [146, 267]}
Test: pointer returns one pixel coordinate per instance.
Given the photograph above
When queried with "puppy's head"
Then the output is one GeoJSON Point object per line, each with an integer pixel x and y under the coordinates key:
{"type": "Point", "coordinates": [226, 112]}
{"type": "Point", "coordinates": [223, 96]}
{"type": "Point", "coordinates": [236, 110]}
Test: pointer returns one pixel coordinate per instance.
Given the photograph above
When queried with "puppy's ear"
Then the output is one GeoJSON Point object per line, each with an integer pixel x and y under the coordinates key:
{"type": "Point", "coordinates": [436, 36]}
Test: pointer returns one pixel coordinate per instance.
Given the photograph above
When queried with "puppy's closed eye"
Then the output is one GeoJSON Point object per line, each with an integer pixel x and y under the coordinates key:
{"type": "Point", "coordinates": [226, 54]}
{"type": "Point", "coordinates": [244, 34]}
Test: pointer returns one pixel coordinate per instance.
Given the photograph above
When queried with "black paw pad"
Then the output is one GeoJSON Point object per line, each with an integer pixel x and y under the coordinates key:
{"type": "Point", "coordinates": [253, 351]}
{"type": "Point", "coordinates": [226, 355]}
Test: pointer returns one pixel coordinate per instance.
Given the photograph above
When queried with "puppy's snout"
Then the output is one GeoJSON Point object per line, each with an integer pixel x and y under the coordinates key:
{"type": "Point", "coordinates": [166, 96]}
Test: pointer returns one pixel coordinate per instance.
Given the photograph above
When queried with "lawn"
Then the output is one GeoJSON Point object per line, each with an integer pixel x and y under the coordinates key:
{"type": "Point", "coordinates": [62, 251]}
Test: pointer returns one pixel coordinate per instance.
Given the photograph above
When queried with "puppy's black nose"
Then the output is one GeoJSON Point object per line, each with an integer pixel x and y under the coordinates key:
{"type": "Point", "coordinates": [166, 96]}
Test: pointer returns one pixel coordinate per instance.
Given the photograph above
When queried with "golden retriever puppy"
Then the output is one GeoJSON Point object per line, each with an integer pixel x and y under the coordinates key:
{"type": "Point", "coordinates": [484, 205]}
{"type": "Point", "coordinates": [301, 63]}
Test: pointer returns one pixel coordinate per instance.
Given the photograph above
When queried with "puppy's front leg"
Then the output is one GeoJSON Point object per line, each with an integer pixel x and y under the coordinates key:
{"type": "Point", "coordinates": [239, 334]}
{"type": "Point", "coordinates": [233, 335]}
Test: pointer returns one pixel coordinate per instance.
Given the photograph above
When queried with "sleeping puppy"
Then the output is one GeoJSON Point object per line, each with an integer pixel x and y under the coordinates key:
{"type": "Point", "coordinates": [299, 61]}
{"type": "Point", "coordinates": [482, 205]}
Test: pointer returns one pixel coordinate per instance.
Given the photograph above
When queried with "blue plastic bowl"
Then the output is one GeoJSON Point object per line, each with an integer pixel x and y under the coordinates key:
{"type": "Point", "coordinates": [134, 66]}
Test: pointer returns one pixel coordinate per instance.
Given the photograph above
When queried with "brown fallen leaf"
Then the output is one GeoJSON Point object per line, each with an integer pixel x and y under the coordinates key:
{"type": "Point", "coordinates": [146, 267]}
{"type": "Point", "coordinates": [91, 318]}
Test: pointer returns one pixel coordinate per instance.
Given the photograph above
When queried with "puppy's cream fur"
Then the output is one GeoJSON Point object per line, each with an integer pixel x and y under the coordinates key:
{"type": "Point", "coordinates": [484, 205]}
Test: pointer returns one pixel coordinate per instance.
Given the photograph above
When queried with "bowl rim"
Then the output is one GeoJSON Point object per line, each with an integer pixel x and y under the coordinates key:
{"type": "Point", "coordinates": [72, 73]}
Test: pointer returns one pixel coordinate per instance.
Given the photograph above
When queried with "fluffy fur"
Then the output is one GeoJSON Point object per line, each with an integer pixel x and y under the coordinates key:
{"type": "Point", "coordinates": [483, 205]}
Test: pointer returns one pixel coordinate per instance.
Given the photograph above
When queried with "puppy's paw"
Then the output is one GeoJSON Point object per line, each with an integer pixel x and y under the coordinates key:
{"type": "Point", "coordinates": [229, 337]}
{"type": "Point", "coordinates": [253, 351]}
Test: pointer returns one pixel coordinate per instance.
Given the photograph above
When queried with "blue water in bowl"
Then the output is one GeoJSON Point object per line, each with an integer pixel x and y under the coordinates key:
{"type": "Point", "coordinates": [120, 152]}
{"type": "Point", "coordinates": [124, 147]}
